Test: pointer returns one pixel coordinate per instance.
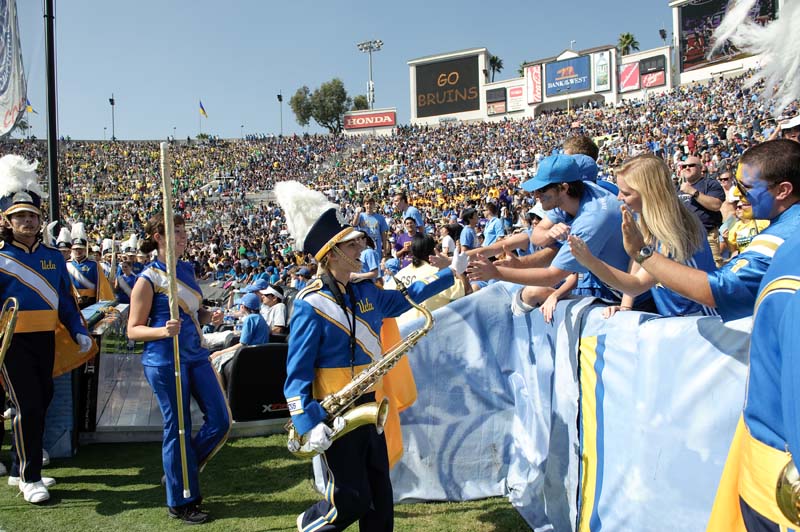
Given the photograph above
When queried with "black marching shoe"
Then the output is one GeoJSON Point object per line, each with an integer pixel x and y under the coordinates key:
{"type": "Point", "coordinates": [191, 514]}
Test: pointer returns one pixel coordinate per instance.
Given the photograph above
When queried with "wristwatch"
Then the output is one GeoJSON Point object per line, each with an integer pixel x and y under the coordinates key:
{"type": "Point", "coordinates": [696, 194]}
{"type": "Point", "coordinates": [645, 253]}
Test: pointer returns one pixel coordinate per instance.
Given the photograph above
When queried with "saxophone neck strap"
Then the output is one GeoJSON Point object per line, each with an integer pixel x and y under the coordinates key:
{"type": "Point", "coordinates": [333, 286]}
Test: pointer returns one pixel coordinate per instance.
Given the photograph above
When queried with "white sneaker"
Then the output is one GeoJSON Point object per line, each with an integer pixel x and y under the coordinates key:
{"type": "Point", "coordinates": [3, 470]}
{"type": "Point", "coordinates": [300, 522]}
{"type": "Point", "coordinates": [45, 458]}
{"type": "Point", "coordinates": [48, 482]}
{"type": "Point", "coordinates": [518, 306]}
{"type": "Point", "coordinates": [34, 492]}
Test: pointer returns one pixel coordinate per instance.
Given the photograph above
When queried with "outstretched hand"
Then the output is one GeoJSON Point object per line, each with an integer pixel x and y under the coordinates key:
{"type": "Point", "coordinates": [511, 259]}
{"type": "Point", "coordinates": [481, 269]}
{"type": "Point", "coordinates": [632, 237]}
{"type": "Point", "coordinates": [580, 250]}
{"type": "Point", "coordinates": [439, 260]}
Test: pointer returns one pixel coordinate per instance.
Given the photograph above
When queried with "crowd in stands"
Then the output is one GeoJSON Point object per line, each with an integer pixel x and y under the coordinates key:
{"type": "Point", "coordinates": [237, 236]}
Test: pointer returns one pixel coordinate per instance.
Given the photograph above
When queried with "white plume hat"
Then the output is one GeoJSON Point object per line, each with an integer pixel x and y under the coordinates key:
{"type": "Point", "coordinates": [313, 221]}
{"type": "Point", "coordinates": [19, 186]}
{"type": "Point", "coordinates": [778, 43]}
{"type": "Point", "coordinates": [78, 235]}
{"type": "Point", "coordinates": [64, 240]}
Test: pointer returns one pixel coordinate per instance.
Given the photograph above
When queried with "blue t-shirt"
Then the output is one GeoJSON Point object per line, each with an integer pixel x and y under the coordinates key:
{"type": "Point", "coordinates": [735, 285]}
{"type": "Point", "coordinates": [597, 222]}
{"type": "Point", "coordinates": [468, 237]}
{"type": "Point", "coordinates": [254, 330]}
{"type": "Point", "coordinates": [373, 225]}
{"type": "Point", "coordinates": [670, 303]}
{"type": "Point", "coordinates": [370, 261]}
{"type": "Point", "coordinates": [493, 231]}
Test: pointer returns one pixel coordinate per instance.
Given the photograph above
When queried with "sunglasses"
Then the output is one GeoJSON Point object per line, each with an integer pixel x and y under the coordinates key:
{"type": "Point", "coordinates": [721, 179]}
{"type": "Point", "coordinates": [690, 165]}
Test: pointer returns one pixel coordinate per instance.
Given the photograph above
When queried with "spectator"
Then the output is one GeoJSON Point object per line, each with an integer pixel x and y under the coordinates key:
{"type": "Point", "coordinates": [704, 196]}
{"type": "Point", "coordinates": [275, 313]}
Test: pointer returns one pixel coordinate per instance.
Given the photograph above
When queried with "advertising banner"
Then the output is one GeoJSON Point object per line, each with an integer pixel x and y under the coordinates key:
{"type": "Point", "coordinates": [568, 76]}
{"type": "Point", "coordinates": [628, 77]}
{"type": "Point", "coordinates": [496, 108]}
{"type": "Point", "coordinates": [516, 98]}
{"type": "Point", "coordinates": [364, 120]}
{"type": "Point", "coordinates": [699, 19]}
{"type": "Point", "coordinates": [496, 95]}
{"type": "Point", "coordinates": [448, 87]}
{"type": "Point", "coordinates": [533, 83]}
{"type": "Point", "coordinates": [653, 79]}
{"type": "Point", "coordinates": [602, 71]}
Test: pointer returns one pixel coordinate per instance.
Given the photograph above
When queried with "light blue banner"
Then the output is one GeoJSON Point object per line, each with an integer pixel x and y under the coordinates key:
{"type": "Point", "coordinates": [498, 413]}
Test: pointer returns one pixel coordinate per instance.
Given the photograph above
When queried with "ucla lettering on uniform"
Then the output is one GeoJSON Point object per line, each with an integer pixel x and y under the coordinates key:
{"type": "Point", "coordinates": [365, 306]}
{"type": "Point", "coordinates": [47, 264]}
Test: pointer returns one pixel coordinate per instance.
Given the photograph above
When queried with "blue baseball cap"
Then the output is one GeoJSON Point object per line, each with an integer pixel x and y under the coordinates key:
{"type": "Point", "coordinates": [554, 169]}
{"type": "Point", "coordinates": [393, 265]}
{"type": "Point", "coordinates": [587, 167]}
{"type": "Point", "coordinates": [304, 272]}
{"type": "Point", "coordinates": [260, 284]}
{"type": "Point", "coordinates": [251, 301]}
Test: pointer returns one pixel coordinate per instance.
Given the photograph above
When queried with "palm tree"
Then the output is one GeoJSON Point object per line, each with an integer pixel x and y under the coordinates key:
{"type": "Point", "coordinates": [521, 69]}
{"type": "Point", "coordinates": [495, 65]}
{"type": "Point", "coordinates": [627, 43]}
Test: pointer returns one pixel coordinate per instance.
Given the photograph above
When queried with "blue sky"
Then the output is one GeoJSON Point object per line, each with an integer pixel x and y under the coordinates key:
{"type": "Point", "coordinates": [160, 57]}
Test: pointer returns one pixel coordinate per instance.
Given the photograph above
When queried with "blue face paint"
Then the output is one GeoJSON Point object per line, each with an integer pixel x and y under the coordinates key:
{"type": "Point", "coordinates": [761, 200]}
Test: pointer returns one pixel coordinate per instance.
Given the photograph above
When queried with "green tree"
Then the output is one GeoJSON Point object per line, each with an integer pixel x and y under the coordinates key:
{"type": "Point", "coordinates": [521, 69]}
{"type": "Point", "coordinates": [627, 43]}
{"type": "Point", "coordinates": [360, 102]}
{"type": "Point", "coordinates": [495, 65]}
{"type": "Point", "coordinates": [301, 105]}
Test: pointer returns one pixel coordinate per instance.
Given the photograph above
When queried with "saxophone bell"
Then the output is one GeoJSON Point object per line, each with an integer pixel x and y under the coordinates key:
{"type": "Point", "coordinates": [787, 493]}
{"type": "Point", "coordinates": [8, 321]}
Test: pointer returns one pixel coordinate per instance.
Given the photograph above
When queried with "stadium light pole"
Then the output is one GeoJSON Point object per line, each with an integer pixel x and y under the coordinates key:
{"type": "Point", "coordinates": [104, 132]}
{"type": "Point", "coordinates": [113, 133]}
{"type": "Point", "coordinates": [368, 47]}
{"type": "Point", "coordinates": [280, 107]}
{"type": "Point", "coordinates": [241, 132]}
{"type": "Point", "coordinates": [572, 44]}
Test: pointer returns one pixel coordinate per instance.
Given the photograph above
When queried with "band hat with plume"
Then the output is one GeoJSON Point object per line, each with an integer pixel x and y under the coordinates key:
{"type": "Point", "coordinates": [311, 219]}
{"type": "Point", "coordinates": [78, 235]}
{"type": "Point", "coordinates": [108, 245]}
{"type": "Point", "coordinates": [778, 43]}
{"type": "Point", "coordinates": [64, 240]}
{"type": "Point", "coordinates": [19, 186]}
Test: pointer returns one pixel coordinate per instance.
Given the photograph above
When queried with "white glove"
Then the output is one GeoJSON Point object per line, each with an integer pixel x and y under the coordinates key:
{"type": "Point", "coordinates": [319, 439]}
{"type": "Point", "coordinates": [459, 262]}
{"type": "Point", "coordinates": [84, 342]}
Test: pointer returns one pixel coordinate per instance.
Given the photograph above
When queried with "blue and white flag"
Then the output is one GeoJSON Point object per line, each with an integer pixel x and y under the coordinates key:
{"type": "Point", "coordinates": [13, 97]}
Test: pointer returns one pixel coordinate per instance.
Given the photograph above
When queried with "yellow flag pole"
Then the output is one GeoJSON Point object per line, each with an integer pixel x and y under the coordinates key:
{"type": "Point", "coordinates": [169, 234]}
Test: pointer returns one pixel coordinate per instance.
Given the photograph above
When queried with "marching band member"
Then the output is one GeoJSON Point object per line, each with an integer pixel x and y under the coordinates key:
{"type": "Point", "coordinates": [124, 283]}
{"type": "Point", "coordinates": [36, 275]}
{"type": "Point", "coordinates": [150, 322]}
{"type": "Point", "coordinates": [64, 244]}
{"type": "Point", "coordinates": [90, 284]}
{"type": "Point", "coordinates": [335, 328]}
{"type": "Point", "coordinates": [107, 257]}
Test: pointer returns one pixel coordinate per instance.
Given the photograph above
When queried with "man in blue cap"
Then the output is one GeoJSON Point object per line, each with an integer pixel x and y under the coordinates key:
{"type": "Point", "coordinates": [584, 209]}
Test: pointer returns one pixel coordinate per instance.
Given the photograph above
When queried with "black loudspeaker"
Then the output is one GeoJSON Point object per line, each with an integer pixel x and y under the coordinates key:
{"type": "Point", "coordinates": [255, 382]}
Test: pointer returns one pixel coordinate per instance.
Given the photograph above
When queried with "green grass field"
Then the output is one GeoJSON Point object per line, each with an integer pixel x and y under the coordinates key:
{"type": "Point", "coordinates": [252, 484]}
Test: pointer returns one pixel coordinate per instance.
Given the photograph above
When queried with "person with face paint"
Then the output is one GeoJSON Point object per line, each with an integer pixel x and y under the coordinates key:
{"type": "Point", "coordinates": [769, 177]}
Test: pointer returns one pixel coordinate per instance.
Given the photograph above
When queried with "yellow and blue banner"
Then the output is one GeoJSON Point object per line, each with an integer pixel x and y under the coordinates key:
{"type": "Point", "coordinates": [29, 108]}
{"type": "Point", "coordinates": [203, 109]}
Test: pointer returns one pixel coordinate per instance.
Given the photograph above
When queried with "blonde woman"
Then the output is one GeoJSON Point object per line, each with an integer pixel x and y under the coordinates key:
{"type": "Point", "coordinates": [668, 227]}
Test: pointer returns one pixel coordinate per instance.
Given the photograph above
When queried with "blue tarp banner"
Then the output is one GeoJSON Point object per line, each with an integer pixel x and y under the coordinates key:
{"type": "Point", "coordinates": [503, 408]}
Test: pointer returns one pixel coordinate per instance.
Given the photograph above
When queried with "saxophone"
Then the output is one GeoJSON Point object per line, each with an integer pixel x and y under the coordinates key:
{"type": "Point", "coordinates": [342, 416]}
